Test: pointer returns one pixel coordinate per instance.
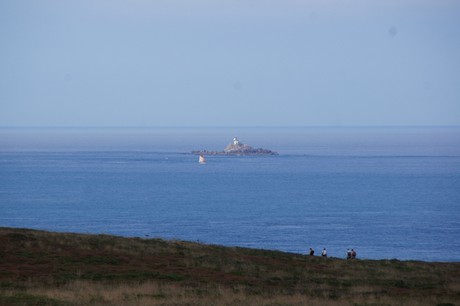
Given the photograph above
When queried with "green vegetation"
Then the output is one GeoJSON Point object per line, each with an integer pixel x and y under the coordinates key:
{"type": "Point", "coordinates": [43, 268]}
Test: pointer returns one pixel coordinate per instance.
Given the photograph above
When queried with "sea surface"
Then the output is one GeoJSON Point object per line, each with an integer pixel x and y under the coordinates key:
{"type": "Point", "coordinates": [386, 192]}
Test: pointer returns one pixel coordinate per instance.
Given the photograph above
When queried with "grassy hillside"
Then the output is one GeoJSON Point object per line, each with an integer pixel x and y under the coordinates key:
{"type": "Point", "coordinates": [43, 268]}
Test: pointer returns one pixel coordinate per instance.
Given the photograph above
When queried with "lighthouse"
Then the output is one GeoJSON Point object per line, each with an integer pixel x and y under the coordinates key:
{"type": "Point", "coordinates": [236, 141]}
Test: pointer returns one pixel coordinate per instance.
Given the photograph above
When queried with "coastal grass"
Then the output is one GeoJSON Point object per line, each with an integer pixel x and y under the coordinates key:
{"type": "Point", "coordinates": [45, 268]}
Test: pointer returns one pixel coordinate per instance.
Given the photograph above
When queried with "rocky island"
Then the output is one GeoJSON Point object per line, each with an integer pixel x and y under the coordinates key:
{"type": "Point", "coordinates": [237, 148]}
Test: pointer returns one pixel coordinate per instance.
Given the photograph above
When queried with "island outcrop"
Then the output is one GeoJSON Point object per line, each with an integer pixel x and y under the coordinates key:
{"type": "Point", "coordinates": [237, 148]}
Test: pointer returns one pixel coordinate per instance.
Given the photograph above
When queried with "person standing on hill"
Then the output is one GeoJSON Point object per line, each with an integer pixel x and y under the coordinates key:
{"type": "Point", "coordinates": [353, 254]}
{"type": "Point", "coordinates": [324, 252]}
{"type": "Point", "coordinates": [312, 252]}
{"type": "Point", "coordinates": [348, 254]}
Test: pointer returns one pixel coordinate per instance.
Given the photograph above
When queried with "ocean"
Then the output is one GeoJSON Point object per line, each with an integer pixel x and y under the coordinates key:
{"type": "Point", "coordinates": [389, 193]}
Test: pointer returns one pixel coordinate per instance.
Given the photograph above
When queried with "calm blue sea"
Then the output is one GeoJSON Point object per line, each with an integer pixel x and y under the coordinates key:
{"type": "Point", "coordinates": [386, 192]}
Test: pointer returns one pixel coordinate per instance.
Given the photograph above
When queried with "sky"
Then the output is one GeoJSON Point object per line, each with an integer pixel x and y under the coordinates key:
{"type": "Point", "coordinates": [139, 63]}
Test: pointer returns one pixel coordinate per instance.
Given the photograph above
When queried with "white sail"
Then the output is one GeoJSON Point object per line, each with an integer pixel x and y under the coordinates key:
{"type": "Point", "coordinates": [202, 160]}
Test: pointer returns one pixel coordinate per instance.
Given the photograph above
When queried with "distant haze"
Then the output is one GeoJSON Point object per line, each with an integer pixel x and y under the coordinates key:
{"type": "Point", "coordinates": [229, 63]}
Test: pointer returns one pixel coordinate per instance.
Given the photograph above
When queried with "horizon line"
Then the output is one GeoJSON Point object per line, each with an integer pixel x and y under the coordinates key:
{"type": "Point", "coordinates": [219, 126]}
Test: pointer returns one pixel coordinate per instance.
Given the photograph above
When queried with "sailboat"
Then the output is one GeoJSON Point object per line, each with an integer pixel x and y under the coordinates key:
{"type": "Point", "coordinates": [202, 160]}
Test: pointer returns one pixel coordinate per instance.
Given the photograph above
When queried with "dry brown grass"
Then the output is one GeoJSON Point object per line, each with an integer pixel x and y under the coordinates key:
{"type": "Point", "coordinates": [155, 293]}
{"type": "Point", "coordinates": [40, 268]}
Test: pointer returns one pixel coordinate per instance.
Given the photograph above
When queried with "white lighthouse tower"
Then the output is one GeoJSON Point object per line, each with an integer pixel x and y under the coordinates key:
{"type": "Point", "coordinates": [236, 141]}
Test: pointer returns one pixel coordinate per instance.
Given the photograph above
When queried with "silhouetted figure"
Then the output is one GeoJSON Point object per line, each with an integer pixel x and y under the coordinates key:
{"type": "Point", "coordinates": [348, 254]}
{"type": "Point", "coordinates": [353, 254]}
{"type": "Point", "coordinates": [312, 252]}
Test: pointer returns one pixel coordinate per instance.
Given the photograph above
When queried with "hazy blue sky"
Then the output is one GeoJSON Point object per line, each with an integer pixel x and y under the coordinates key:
{"type": "Point", "coordinates": [229, 63]}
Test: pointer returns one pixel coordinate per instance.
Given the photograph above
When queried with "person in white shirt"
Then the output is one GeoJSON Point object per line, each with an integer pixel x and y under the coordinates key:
{"type": "Point", "coordinates": [324, 252]}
